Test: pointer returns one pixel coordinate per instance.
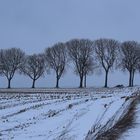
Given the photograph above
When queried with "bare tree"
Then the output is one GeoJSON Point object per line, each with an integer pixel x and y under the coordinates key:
{"type": "Point", "coordinates": [81, 54]}
{"type": "Point", "coordinates": [34, 67]}
{"type": "Point", "coordinates": [56, 58]}
{"type": "Point", "coordinates": [10, 60]}
{"type": "Point", "coordinates": [89, 69]}
{"type": "Point", "coordinates": [106, 53]}
{"type": "Point", "coordinates": [130, 58]}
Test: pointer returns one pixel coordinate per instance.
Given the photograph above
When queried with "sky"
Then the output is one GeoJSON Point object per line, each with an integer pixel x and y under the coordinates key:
{"type": "Point", "coordinates": [34, 25]}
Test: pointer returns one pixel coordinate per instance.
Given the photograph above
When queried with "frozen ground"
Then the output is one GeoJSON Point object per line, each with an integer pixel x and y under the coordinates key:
{"type": "Point", "coordinates": [66, 114]}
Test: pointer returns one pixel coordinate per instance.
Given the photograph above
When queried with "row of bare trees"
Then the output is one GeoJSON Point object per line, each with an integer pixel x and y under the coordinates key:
{"type": "Point", "coordinates": [86, 56]}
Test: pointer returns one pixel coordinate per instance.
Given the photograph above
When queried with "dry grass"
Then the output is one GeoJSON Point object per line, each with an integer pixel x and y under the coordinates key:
{"type": "Point", "coordinates": [113, 129]}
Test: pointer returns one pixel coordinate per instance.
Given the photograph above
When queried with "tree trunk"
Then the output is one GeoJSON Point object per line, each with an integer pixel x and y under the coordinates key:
{"type": "Point", "coordinates": [130, 78]}
{"type": "Point", "coordinates": [33, 84]}
{"type": "Point", "coordinates": [81, 82]}
{"type": "Point", "coordinates": [133, 75]}
{"type": "Point", "coordinates": [85, 81]}
{"type": "Point", "coordinates": [57, 82]}
{"type": "Point", "coordinates": [9, 83]}
{"type": "Point", "coordinates": [106, 79]}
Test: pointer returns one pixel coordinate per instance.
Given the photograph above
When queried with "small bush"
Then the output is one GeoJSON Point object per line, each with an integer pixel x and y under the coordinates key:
{"type": "Point", "coordinates": [70, 106]}
{"type": "Point", "coordinates": [86, 100]}
{"type": "Point", "coordinates": [52, 113]}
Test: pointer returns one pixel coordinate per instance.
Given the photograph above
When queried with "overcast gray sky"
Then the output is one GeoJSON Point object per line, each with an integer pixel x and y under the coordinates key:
{"type": "Point", "coordinates": [33, 25]}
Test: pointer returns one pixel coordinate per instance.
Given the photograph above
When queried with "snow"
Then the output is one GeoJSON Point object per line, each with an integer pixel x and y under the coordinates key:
{"type": "Point", "coordinates": [64, 115]}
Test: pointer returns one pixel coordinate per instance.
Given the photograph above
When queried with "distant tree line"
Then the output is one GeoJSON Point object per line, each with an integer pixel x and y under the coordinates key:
{"type": "Point", "coordinates": [86, 56]}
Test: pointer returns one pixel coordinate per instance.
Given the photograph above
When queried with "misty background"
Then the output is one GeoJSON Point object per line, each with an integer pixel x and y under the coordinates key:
{"type": "Point", "coordinates": [34, 25]}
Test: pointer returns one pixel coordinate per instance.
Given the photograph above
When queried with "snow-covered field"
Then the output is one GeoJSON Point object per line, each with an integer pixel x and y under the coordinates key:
{"type": "Point", "coordinates": [63, 115]}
